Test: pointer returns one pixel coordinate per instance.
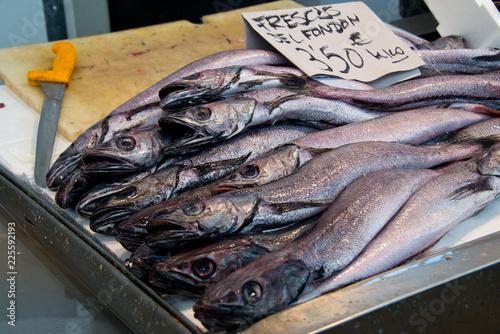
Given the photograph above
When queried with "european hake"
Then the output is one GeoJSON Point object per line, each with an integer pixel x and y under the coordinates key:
{"type": "Point", "coordinates": [305, 193]}
{"type": "Point", "coordinates": [275, 280]}
{"type": "Point", "coordinates": [192, 271]}
{"type": "Point", "coordinates": [408, 127]}
{"type": "Point", "coordinates": [143, 109]}
{"type": "Point", "coordinates": [445, 201]}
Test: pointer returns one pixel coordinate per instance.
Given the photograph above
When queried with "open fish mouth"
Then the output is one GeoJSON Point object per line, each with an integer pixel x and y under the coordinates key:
{"type": "Point", "coordinates": [131, 241]}
{"type": "Point", "coordinates": [219, 319]}
{"type": "Point", "coordinates": [63, 167]}
{"type": "Point", "coordinates": [172, 235]}
{"type": "Point", "coordinates": [95, 162]}
{"type": "Point", "coordinates": [176, 285]}
{"type": "Point", "coordinates": [225, 187]}
{"type": "Point", "coordinates": [185, 136]}
{"type": "Point", "coordinates": [106, 220]}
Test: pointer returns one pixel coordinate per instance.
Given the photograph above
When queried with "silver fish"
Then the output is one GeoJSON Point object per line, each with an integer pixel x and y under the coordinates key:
{"type": "Point", "coordinates": [214, 84]}
{"type": "Point", "coordinates": [69, 160]}
{"type": "Point", "coordinates": [408, 127]}
{"type": "Point", "coordinates": [277, 279]}
{"type": "Point", "coordinates": [459, 61]}
{"type": "Point", "coordinates": [192, 271]}
{"type": "Point", "coordinates": [305, 193]}
{"type": "Point", "coordinates": [225, 118]}
{"type": "Point", "coordinates": [482, 89]}
{"type": "Point", "coordinates": [127, 152]}
{"type": "Point", "coordinates": [143, 109]}
{"type": "Point", "coordinates": [446, 200]}
{"type": "Point", "coordinates": [110, 206]}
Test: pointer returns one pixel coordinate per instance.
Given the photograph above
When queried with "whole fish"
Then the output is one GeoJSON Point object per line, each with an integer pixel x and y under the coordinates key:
{"type": "Point", "coordinates": [338, 236]}
{"type": "Point", "coordinates": [408, 127]}
{"type": "Point", "coordinates": [143, 109]}
{"type": "Point", "coordinates": [191, 272]}
{"type": "Point", "coordinates": [482, 89]}
{"type": "Point", "coordinates": [109, 206]}
{"type": "Point", "coordinates": [450, 198]}
{"type": "Point", "coordinates": [305, 193]}
{"type": "Point", "coordinates": [225, 118]}
{"type": "Point", "coordinates": [459, 61]}
{"type": "Point", "coordinates": [215, 84]}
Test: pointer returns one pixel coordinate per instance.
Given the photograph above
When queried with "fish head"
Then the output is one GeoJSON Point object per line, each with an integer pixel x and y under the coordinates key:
{"type": "Point", "coordinates": [201, 218]}
{"type": "Point", "coordinates": [143, 259]}
{"type": "Point", "coordinates": [128, 152]}
{"type": "Point", "coordinates": [197, 88]}
{"type": "Point", "coordinates": [271, 166]}
{"type": "Point", "coordinates": [70, 160]}
{"type": "Point", "coordinates": [71, 190]}
{"type": "Point", "coordinates": [489, 162]}
{"type": "Point", "coordinates": [111, 205]}
{"type": "Point", "coordinates": [132, 232]}
{"type": "Point", "coordinates": [190, 272]}
{"type": "Point", "coordinates": [203, 124]}
{"type": "Point", "coordinates": [263, 287]}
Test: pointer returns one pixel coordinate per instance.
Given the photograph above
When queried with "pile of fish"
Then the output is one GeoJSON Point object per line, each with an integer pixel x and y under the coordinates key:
{"type": "Point", "coordinates": [242, 181]}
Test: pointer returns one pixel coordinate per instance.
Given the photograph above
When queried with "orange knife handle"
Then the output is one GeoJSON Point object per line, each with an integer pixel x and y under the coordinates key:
{"type": "Point", "coordinates": [62, 66]}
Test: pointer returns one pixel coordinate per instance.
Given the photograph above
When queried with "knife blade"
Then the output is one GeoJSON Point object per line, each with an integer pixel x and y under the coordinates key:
{"type": "Point", "coordinates": [53, 83]}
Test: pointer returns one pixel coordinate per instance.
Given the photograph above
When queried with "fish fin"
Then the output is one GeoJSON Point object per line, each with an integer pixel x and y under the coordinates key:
{"type": "Point", "coordinates": [285, 207]}
{"type": "Point", "coordinates": [318, 151]}
{"type": "Point", "coordinates": [271, 105]}
{"type": "Point", "coordinates": [222, 164]}
{"type": "Point", "coordinates": [482, 184]}
{"type": "Point", "coordinates": [495, 57]}
{"type": "Point", "coordinates": [295, 275]}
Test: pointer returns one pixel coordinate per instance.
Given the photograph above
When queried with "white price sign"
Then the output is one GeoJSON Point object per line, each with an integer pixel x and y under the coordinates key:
{"type": "Point", "coordinates": [345, 40]}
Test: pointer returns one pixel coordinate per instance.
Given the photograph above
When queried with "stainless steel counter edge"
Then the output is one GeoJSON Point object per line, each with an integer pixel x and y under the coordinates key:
{"type": "Point", "coordinates": [135, 303]}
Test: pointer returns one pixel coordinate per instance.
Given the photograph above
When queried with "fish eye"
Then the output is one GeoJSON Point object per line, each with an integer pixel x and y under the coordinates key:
{"type": "Point", "coordinates": [125, 143]}
{"type": "Point", "coordinates": [250, 171]}
{"type": "Point", "coordinates": [252, 291]}
{"type": "Point", "coordinates": [202, 113]}
{"type": "Point", "coordinates": [126, 193]}
{"type": "Point", "coordinates": [204, 268]}
{"type": "Point", "coordinates": [194, 208]}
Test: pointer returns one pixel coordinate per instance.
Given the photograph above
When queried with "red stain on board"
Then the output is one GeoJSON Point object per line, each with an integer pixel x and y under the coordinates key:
{"type": "Point", "coordinates": [2, 105]}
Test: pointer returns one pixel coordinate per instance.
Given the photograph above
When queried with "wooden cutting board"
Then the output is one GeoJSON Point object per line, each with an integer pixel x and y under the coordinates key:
{"type": "Point", "coordinates": [114, 67]}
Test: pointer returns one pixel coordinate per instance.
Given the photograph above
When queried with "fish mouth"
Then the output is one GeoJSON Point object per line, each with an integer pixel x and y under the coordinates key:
{"type": "Point", "coordinates": [185, 136]}
{"type": "Point", "coordinates": [130, 241]}
{"type": "Point", "coordinates": [220, 318]}
{"type": "Point", "coordinates": [99, 163]}
{"type": "Point", "coordinates": [169, 234]}
{"type": "Point", "coordinates": [131, 235]}
{"type": "Point", "coordinates": [228, 186]}
{"type": "Point", "coordinates": [63, 167]}
{"type": "Point", "coordinates": [165, 281]}
{"type": "Point", "coordinates": [105, 220]}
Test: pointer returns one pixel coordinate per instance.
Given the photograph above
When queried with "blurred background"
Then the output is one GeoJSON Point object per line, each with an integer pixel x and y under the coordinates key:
{"type": "Point", "coordinates": [36, 21]}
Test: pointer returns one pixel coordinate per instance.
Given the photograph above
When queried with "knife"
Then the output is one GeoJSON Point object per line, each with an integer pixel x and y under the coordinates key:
{"type": "Point", "coordinates": [53, 83]}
